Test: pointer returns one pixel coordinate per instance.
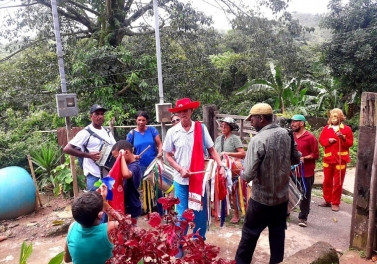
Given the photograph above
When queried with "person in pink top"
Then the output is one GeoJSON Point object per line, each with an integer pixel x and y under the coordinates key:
{"type": "Point", "coordinates": [307, 144]}
{"type": "Point", "coordinates": [336, 138]}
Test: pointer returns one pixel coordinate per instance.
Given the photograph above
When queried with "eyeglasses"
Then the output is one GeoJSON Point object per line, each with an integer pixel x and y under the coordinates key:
{"type": "Point", "coordinates": [175, 120]}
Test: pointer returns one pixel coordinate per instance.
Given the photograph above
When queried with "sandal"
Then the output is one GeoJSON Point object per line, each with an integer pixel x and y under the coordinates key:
{"type": "Point", "coordinates": [324, 204]}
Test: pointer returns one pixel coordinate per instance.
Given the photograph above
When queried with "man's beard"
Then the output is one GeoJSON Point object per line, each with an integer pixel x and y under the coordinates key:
{"type": "Point", "coordinates": [296, 129]}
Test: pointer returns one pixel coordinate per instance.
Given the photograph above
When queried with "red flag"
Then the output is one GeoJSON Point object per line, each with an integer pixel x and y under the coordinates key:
{"type": "Point", "coordinates": [222, 190]}
{"type": "Point", "coordinates": [118, 193]}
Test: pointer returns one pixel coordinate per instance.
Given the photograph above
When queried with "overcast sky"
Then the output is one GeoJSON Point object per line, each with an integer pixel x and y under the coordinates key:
{"type": "Point", "coordinates": [211, 7]}
{"type": "Point", "coordinates": [303, 6]}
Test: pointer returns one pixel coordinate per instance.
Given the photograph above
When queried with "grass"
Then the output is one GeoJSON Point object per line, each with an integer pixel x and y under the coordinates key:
{"type": "Point", "coordinates": [361, 253]}
{"type": "Point", "coordinates": [345, 198]}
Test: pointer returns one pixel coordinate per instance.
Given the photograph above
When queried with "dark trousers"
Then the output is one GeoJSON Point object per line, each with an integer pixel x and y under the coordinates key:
{"type": "Point", "coordinates": [305, 202]}
{"type": "Point", "coordinates": [258, 217]}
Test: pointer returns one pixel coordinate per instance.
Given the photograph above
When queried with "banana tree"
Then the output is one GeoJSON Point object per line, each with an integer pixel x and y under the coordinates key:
{"type": "Point", "coordinates": [277, 86]}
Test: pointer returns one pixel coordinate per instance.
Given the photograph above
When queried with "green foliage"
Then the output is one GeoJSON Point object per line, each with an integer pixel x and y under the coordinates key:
{"type": "Point", "coordinates": [353, 149]}
{"type": "Point", "coordinates": [281, 89]}
{"type": "Point", "coordinates": [114, 77]}
{"type": "Point", "coordinates": [27, 249]}
{"type": "Point", "coordinates": [62, 179]}
{"type": "Point", "coordinates": [25, 252]}
{"type": "Point", "coordinates": [232, 74]}
{"type": "Point", "coordinates": [108, 63]}
{"type": "Point", "coordinates": [19, 135]}
{"type": "Point", "coordinates": [347, 199]}
{"type": "Point", "coordinates": [351, 53]}
{"type": "Point", "coordinates": [46, 157]}
{"type": "Point", "coordinates": [29, 82]}
{"type": "Point", "coordinates": [58, 259]}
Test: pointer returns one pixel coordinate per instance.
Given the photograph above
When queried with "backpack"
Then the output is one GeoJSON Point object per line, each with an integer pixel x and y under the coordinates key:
{"type": "Point", "coordinates": [294, 160]}
{"type": "Point", "coordinates": [110, 161]}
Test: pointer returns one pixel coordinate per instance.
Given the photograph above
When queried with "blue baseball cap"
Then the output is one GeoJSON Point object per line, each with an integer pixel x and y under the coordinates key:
{"type": "Point", "coordinates": [298, 118]}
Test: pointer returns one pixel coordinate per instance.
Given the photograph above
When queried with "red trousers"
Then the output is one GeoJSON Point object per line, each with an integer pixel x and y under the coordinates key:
{"type": "Point", "coordinates": [333, 182]}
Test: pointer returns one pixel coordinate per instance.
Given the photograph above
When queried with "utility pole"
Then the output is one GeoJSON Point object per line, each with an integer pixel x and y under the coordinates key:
{"type": "Point", "coordinates": [159, 69]}
{"type": "Point", "coordinates": [59, 52]}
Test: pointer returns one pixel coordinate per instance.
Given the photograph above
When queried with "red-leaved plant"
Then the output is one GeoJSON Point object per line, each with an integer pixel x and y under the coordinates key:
{"type": "Point", "coordinates": [160, 243]}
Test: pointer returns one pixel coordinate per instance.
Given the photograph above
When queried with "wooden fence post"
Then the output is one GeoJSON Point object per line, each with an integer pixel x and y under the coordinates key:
{"type": "Point", "coordinates": [241, 129]}
{"type": "Point", "coordinates": [208, 119]}
{"type": "Point", "coordinates": [367, 132]}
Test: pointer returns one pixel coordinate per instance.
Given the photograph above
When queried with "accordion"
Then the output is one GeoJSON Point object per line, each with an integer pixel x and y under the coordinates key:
{"type": "Point", "coordinates": [107, 160]}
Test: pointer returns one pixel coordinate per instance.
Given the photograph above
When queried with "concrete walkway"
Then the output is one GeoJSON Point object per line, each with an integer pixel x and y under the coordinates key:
{"type": "Point", "coordinates": [323, 225]}
{"type": "Point", "coordinates": [345, 215]}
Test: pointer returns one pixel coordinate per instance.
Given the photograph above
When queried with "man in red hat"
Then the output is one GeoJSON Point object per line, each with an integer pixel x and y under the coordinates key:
{"type": "Point", "coordinates": [185, 146]}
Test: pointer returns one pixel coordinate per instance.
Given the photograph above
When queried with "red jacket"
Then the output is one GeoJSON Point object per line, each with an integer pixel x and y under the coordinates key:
{"type": "Point", "coordinates": [334, 151]}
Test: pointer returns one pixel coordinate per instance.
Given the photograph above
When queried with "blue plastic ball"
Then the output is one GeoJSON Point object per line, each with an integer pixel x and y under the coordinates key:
{"type": "Point", "coordinates": [17, 192]}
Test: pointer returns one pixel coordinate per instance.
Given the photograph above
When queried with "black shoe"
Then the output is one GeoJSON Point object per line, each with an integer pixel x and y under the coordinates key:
{"type": "Point", "coordinates": [302, 223]}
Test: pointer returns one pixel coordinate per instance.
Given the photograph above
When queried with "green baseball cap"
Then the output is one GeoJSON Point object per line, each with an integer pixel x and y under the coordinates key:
{"type": "Point", "coordinates": [298, 118]}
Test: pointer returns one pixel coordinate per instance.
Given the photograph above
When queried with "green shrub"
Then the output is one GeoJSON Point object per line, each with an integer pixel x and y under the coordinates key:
{"type": "Point", "coordinates": [20, 135]}
{"type": "Point", "coordinates": [46, 157]}
{"type": "Point", "coordinates": [63, 181]}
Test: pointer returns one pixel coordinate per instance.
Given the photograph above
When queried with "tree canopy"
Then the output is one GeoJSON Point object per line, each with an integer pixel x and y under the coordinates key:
{"type": "Point", "coordinates": [351, 52]}
{"type": "Point", "coordinates": [109, 56]}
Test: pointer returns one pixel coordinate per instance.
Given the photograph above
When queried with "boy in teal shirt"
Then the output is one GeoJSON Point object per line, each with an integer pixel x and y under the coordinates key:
{"type": "Point", "coordinates": [88, 239]}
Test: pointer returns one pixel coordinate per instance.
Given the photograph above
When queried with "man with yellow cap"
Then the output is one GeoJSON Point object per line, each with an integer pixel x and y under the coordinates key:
{"type": "Point", "coordinates": [268, 165]}
{"type": "Point", "coordinates": [336, 138]}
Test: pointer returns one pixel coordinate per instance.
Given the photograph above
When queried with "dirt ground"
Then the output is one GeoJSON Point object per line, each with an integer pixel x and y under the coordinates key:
{"type": "Point", "coordinates": [35, 228]}
{"type": "Point", "coordinates": [55, 216]}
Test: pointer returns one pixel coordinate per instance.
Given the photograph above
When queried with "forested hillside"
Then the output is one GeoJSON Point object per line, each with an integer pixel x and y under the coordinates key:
{"type": "Point", "coordinates": [319, 35]}
{"type": "Point", "coordinates": [109, 55]}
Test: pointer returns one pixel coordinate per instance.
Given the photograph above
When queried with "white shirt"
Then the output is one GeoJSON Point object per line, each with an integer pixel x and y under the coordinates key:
{"type": "Point", "coordinates": [181, 142]}
{"type": "Point", "coordinates": [94, 144]}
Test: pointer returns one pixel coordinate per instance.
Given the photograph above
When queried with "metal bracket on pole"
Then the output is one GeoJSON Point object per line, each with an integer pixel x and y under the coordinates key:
{"type": "Point", "coordinates": [69, 102]}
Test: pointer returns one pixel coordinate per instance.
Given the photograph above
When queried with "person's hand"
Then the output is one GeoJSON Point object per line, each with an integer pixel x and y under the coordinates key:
{"type": "Point", "coordinates": [302, 159]}
{"type": "Point", "coordinates": [122, 152]}
{"type": "Point", "coordinates": [340, 135]}
{"type": "Point", "coordinates": [184, 172]}
{"type": "Point", "coordinates": [95, 155]}
{"type": "Point", "coordinates": [222, 171]}
{"type": "Point", "coordinates": [332, 140]}
{"type": "Point", "coordinates": [103, 191]}
{"type": "Point", "coordinates": [159, 155]}
{"type": "Point", "coordinates": [112, 122]}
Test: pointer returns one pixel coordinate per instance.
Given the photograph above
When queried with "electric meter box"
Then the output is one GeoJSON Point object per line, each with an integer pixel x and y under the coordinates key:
{"type": "Point", "coordinates": [162, 113]}
{"type": "Point", "coordinates": [66, 105]}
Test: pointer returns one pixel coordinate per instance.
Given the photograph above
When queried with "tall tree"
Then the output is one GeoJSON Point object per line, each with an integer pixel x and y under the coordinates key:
{"type": "Point", "coordinates": [106, 21]}
{"type": "Point", "coordinates": [352, 52]}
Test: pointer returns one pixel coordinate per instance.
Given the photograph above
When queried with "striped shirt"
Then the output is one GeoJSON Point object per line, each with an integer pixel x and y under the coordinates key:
{"type": "Point", "coordinates": [268, 165]}
{"type": "Point", "coordinates": [180, 142]}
